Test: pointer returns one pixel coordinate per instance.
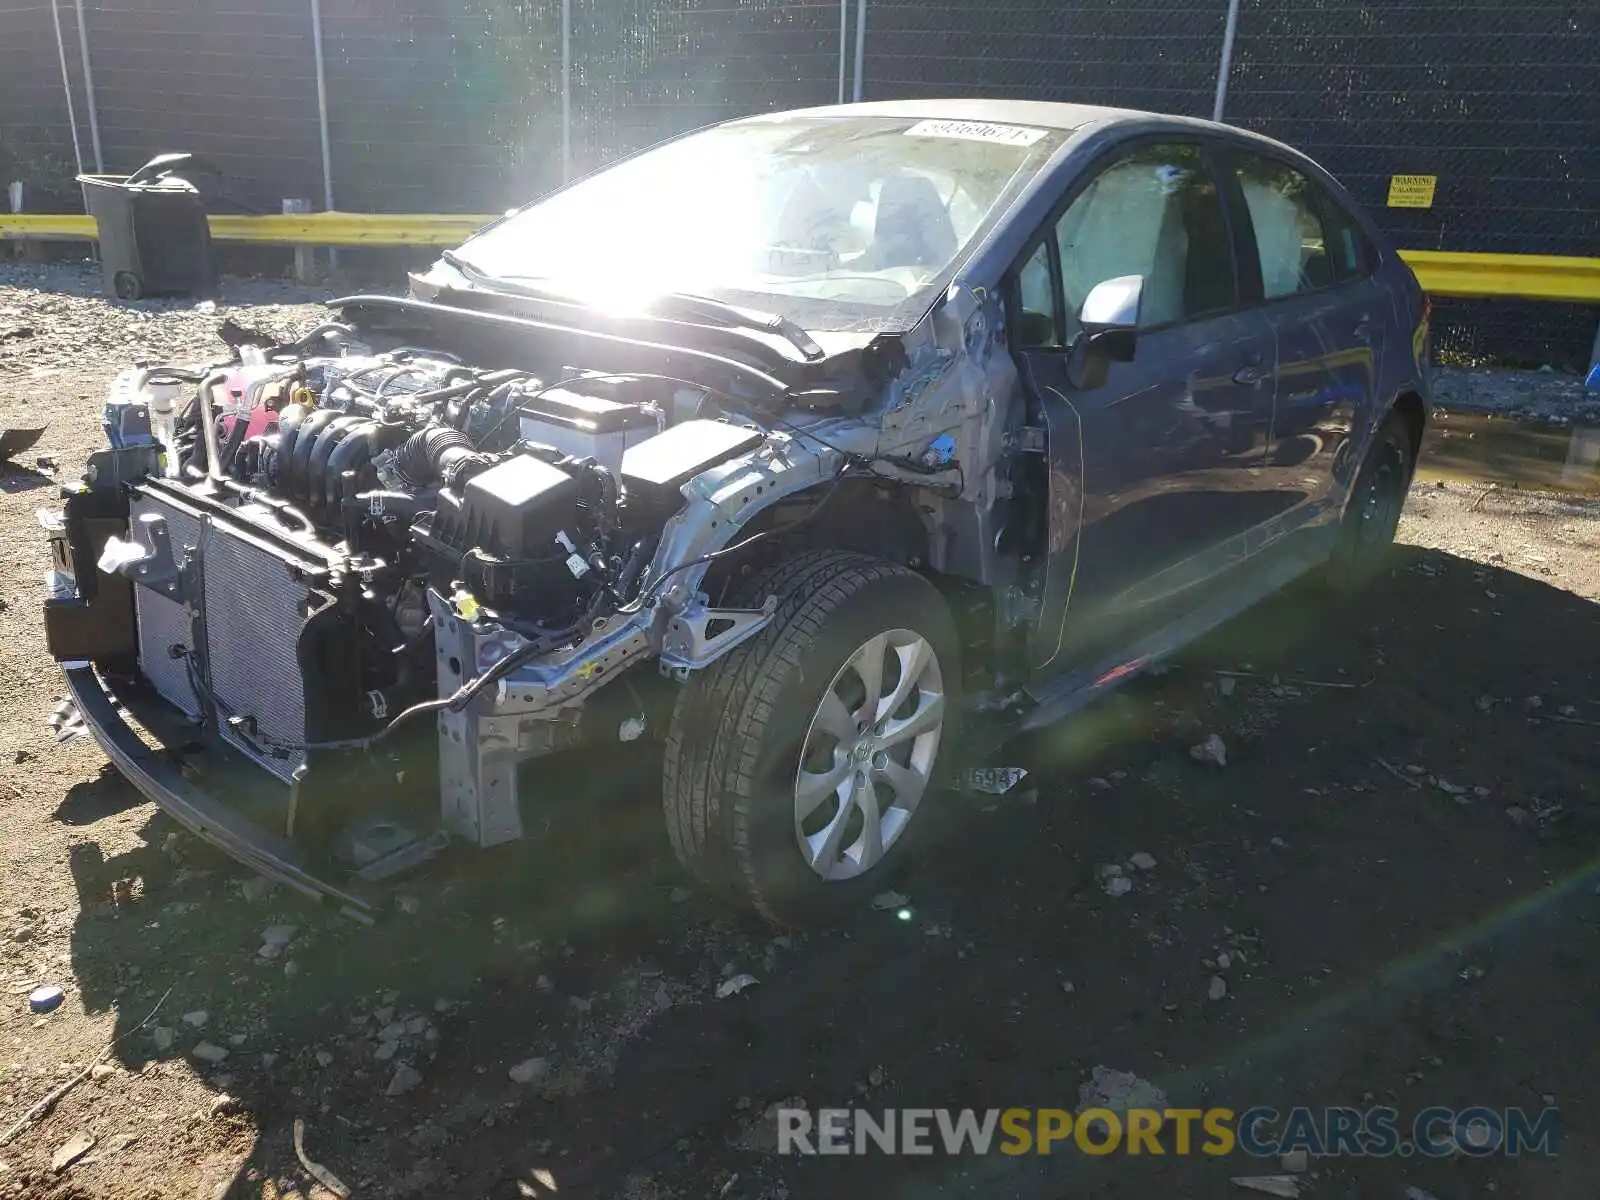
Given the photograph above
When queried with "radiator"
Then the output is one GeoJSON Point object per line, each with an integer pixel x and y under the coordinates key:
{"type": "Point", "coordinates": [253, 609]}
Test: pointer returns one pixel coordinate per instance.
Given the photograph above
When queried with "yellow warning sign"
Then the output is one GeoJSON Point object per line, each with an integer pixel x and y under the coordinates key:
{"type": "Point", "coordinates": [1412, 191]}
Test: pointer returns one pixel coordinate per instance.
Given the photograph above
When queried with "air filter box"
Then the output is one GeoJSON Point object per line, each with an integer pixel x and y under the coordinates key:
{"type": "Point", "coordinates": [511, 511]}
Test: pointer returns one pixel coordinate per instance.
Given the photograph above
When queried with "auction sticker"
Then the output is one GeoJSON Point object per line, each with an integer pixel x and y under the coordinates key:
{"type": "Point", "coordinates": [977, 131]}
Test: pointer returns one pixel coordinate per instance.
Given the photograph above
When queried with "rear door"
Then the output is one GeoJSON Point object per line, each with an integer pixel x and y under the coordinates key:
{"type": "Point", "coordinates": [1152, 475]}
{"type": "Point", "coordinates": [1311, 274]}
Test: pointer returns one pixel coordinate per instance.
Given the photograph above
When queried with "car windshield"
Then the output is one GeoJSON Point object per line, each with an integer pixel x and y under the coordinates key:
{"type": "Point", "coordinates": [839, 223]}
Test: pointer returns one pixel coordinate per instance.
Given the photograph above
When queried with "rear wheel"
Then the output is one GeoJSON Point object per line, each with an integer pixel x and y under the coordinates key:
{"type": "Point", "coordinates": [801, 763]}
{"type": "Point", "coordinates": [1377, 497]}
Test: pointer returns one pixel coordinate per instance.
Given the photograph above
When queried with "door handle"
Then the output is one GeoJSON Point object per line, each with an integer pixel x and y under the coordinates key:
{"type": "Point", "coordinates": [1250, 373]}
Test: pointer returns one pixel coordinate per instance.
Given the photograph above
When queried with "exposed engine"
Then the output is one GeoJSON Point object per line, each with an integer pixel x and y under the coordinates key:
{"type": "Point", "coordinates": [316, 508]}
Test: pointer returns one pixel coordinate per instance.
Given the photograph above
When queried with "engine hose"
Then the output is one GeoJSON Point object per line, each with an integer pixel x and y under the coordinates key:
{"type": "Point", "coordinates": [609, 496]}
{"type": "Point", "coordinates": [254, 454]}
{"type": "Point", "coordinates": [229, 448]}
{"type": "Point", "coordinates": [296, 468]}
{"type": "Point", "coordinates": [354, 453]}
{"type": "Point", "coordinates": [422, 458]}
{"type": "Point", "coordinates": [319, 334]}
{"type": "Point", "coordinates": [638, 557]}
{"type": "Point", "coordinates": [327, 441]}
{"type": "Point", "coordinates": [452, 391]}
{"type": "Point", "coordinates": [499, 412]}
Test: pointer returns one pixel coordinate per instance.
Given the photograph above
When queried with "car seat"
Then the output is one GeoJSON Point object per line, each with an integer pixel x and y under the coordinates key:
{"type": "Point", "coordinates": [911, 228]}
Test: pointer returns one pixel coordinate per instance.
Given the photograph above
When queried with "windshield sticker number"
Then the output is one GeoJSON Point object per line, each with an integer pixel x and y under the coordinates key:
{"type": "Point", "coordinates": [977, 131]}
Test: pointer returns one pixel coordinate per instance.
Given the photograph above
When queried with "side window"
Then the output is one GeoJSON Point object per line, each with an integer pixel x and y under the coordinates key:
{"type": "Point", "coordinates": [1036, 295]}
{"type": "Point", "coordinates": [1154, 213]}
{"type": "Point", "coordinates": [1348, 254]}
{"type": "Point", "coordinates": [1304, 240]}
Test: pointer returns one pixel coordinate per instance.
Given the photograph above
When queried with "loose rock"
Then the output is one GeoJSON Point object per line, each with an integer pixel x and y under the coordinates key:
{"type": "Point", "coordinates": [1118, 885]}
{"type": "Point", "coordinates": [278, 935]}
{"type": "Point", "coordinates": [1143, 861]}
{"type": "Point", "coordinates": [1213, 750]}
{"type": "Point", "coordinates": [196, 1019]}
{"type": "Point", "coordinates": [1218, 988]}
{"type": "Point", "coordinates": [1119, 1091]}
{"type": "Point", "coordinates": [71, 1151]}
{"type": "Point", "coordinates": [162, 1037]}
{"type": "Point", "coordinates": [257, 888]}
{"type": "Point", "coordinates": [735, 985]}
{"type": "Point", "coordinates": [531, 1070]}
{"type": "Point", "coordinates": [405, 1079]}
{"type": "Point", "coordinates": [224, 1104]}
{"type": "Point", "coordinates": [889, 901]}
{"type": "Point", "coordinates": [209, 1052]}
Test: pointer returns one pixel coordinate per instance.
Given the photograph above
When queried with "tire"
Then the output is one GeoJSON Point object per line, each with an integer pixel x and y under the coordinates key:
{"type": "Point", "coordinates": [127, 285]}
{"type": "Point", "coordinates": [744, 726]}
{"type": "Point", "coordinates": [1372, 513]}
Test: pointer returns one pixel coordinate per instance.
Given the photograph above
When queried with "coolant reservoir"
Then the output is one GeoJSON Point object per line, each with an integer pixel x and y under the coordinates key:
{"type": "Point", "coordinates": [162, 397]}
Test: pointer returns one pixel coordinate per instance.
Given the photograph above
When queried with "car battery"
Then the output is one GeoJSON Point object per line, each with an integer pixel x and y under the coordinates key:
{"type": "Point", "coordinates": [580, 420]}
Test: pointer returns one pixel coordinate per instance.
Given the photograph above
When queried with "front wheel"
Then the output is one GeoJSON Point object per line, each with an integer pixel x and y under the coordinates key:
{"type": "Point", "coordinates": [801, 763]}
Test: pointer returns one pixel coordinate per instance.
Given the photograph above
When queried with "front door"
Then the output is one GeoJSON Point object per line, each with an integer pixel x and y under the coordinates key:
{"type": "Point", "coordinates": [1154, 476]}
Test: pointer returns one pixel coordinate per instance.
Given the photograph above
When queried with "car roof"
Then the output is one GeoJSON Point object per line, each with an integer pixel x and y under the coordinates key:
{"type": "Point", "coordinates": [1047, 114]}
{"type": "Point", "coordinates": [1016, 112]}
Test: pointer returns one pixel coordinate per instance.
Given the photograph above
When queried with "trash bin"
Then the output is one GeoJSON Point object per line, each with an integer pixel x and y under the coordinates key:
{"type": "Point", "coordinates": [154, 240]}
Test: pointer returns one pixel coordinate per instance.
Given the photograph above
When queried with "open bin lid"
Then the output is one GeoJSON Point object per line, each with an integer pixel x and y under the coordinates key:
{"type": "Point", "coordinates": [164, 172]}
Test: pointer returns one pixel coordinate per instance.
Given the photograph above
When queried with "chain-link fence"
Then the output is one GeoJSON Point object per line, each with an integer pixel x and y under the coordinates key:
{"type": "Point", "coordinates": [473, 105]}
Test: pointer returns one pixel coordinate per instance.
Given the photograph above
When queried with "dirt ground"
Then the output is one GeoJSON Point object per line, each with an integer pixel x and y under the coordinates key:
{"type": "Point", "coordinates": [1399, 861]}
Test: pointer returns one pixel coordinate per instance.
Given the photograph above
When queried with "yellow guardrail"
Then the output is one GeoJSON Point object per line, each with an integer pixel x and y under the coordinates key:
{"type": "Point", "coordinates": [305, 229]}
{"type": "Point", "coordinates": [1515, 276]}
{"type": "Point", "coordinates": [1441, 272]}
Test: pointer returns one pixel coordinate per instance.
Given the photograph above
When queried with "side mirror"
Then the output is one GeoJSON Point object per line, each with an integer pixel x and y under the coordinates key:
{"type": "Point", "coordinates": [1109, 330]}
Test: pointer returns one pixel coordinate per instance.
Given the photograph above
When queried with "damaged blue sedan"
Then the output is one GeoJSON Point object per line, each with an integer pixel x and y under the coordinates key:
{"type": "Point", "coordinates": [807, 453]}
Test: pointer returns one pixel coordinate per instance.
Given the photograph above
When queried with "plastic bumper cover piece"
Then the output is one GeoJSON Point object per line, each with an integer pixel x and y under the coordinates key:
{"type": "Point", "coordinates": [160, 780]}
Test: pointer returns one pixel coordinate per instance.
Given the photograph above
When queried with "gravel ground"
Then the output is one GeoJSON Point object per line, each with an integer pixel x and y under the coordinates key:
{"type": "Point", "coordinates": [1396, 861]}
